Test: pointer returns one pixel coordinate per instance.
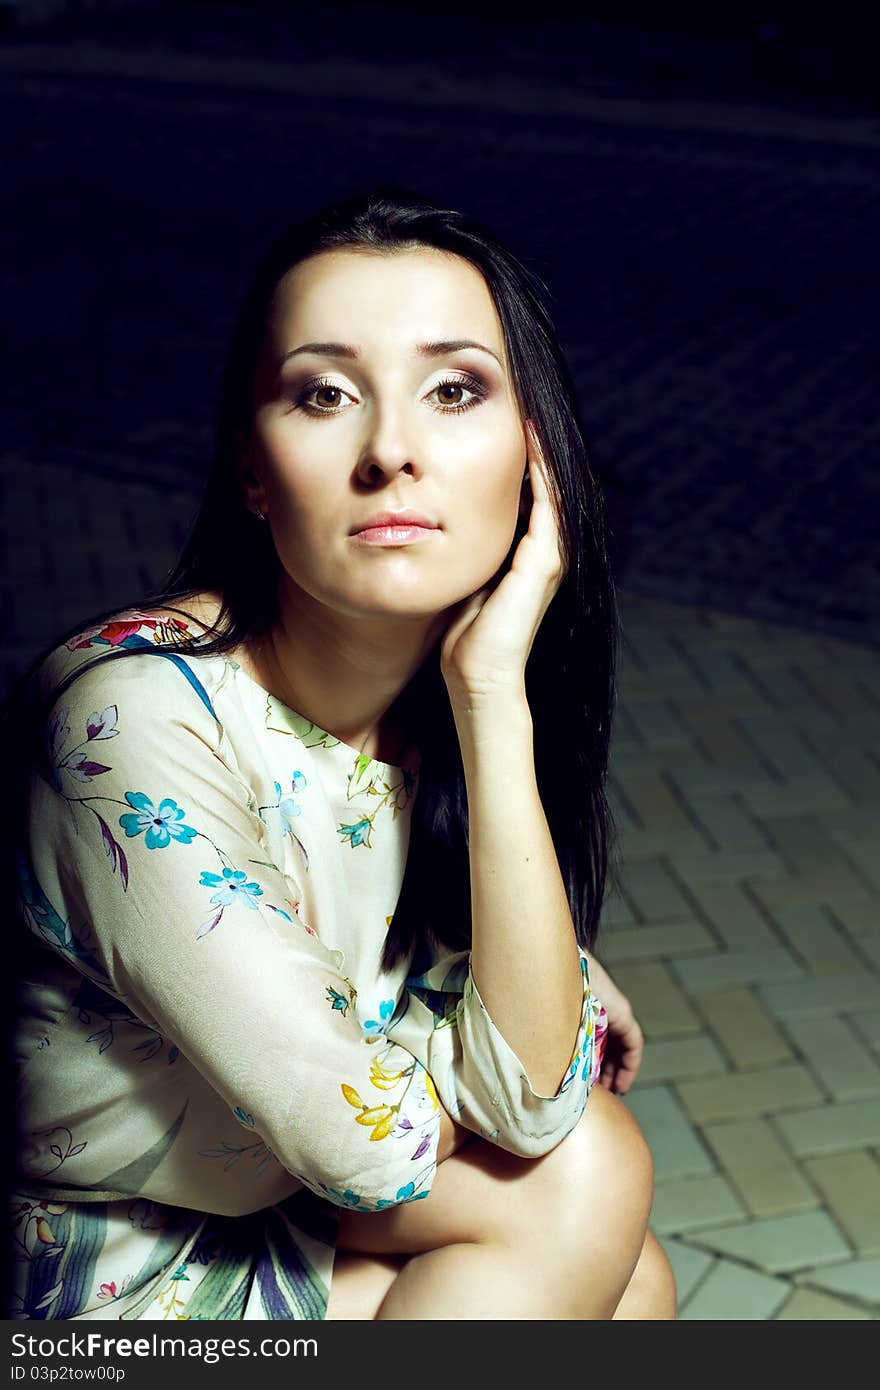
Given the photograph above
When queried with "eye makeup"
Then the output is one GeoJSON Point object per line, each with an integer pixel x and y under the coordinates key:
{"type": "Point", "coordinates": [463, 381]}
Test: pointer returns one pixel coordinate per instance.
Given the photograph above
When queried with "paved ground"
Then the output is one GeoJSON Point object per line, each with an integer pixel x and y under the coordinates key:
{"type": "Point", "coordinates": [747, 933]}
{"type": "Point", "coordinates": [711, 266]}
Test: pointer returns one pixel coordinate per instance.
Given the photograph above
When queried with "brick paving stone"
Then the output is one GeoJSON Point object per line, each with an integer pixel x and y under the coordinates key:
{"type": "Point", "coordinates": [675, 1148]}
{"type": "Point", "coordinates": [858, 918]}
{"type": "Point", "coordinates": [818, 791]}
{"type": "Point", "coordinates": [831, 994]}
{"type": "Point", "coordinates": [732, 1293]}
{"type": "Point", "coordinates": [866, 854]}
{"type": "Point", "coordinates": [677, 1058]}
{"type": "Point", "coordinates": [653, 891]}
{"type": "Point", "coordinates": [778, 1244]}
{"type": "Point", "coordinates": [733, 915]}
{"type": "Point", "coordinates": [638, 760]}
{"type": "Point", "coordinates": [616, 913]}
{"type": "Point", "coordinates": [850, 1184]}
{"type": "Point", "coordinates": [694, 777]}
{"type": "Point", "coordinates": [857, 775]}
{"type": "Point", "coordinates": [623, 818]}
{"type": "Point", "coordinates": [652, 654]}
{"type": "Point", "coordinates": [825, 883]}
{"type": "Point", "coordinates": [832, 1129]}
{"type": "Point", "coordinates": [804, 844]}
{"type": "Point", "coordinates": [785, 690]}
{"type": "Point", "coordinates": [654, 804]}
{"type": "Point", "coordinates": [745, 1030]}
{"type": "Point", "coordinates": [858, 1279]}
{"type": "Point", "coordinates": [736, 968]}
{"type": "Point", "coordinates": [842, 694]}
{"type": "Point", "coordinates": [726, 823]}
{"type": "Point", "coordinates": [839, 1059]}
{"type": "Point", "coordinates": [815, 938]}
{"type": "Point", "coordinates": [721, 673]}
{"type": "Point", "coordinates": [686, 1204]}
{"type": "Point", "coordinates": [658, 1003]}
{"type": "Point", "coordinates": [761, 1168]}
{"type": "Point", "coordinates": [781, 747]}
{"type": "Point", "coordinates": [636, 845]}
{"type": "Point", "coordinates": [806, 1305]}
{"type": "Point", "coordinates": [848, 824]}
{"type": "Point", "coordinates": [653, 943]}
{"type": "Point", "coordinates": [728, 866]}
{"type": "Point", "coordinates": [828, 736]}
{"type": "Point", "coordinates": [868, 1026]}
{"type": "Point", "coordinates": [710, 708]}
{"type": "Point", "coordinates": [657, 724]}
{"type": "Point", "coordinates": [688, 1265]}
{"type": "Point", "coordinates": [718, 737]}
{"type": "Point", "coordinates": [745, 1095]}
{"type": "Point", "coordinates": [667, 676]}
{"type": "Point", "coordinates": [857, 658]}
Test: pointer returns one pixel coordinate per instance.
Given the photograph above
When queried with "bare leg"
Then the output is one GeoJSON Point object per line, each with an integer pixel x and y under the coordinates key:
{"type": "Point", "coordinates": [361, 1282]}
{"type": "Point", "coordinates": [506, 1237]}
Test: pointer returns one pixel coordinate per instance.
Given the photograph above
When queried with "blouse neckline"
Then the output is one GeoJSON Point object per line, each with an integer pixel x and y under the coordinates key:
{"type": "Point", "coordinates": [411, 759]}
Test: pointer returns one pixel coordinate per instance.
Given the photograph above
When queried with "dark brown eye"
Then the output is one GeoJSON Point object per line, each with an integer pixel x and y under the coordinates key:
{"type": "Point", "coordinates": [333, 390]}
{"type": "Point", "coordinates": [451, 386]}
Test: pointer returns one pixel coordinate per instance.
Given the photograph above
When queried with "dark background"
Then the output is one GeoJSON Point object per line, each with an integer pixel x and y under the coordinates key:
{"type": "Point", "coordinates": [698, 186]}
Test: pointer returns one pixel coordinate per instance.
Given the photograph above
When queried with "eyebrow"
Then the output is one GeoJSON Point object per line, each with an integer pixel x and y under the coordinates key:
{"type": "Point", "coordinates": [438, 349]}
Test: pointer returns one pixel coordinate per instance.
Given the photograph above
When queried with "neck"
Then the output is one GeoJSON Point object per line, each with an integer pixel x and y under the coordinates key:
{"type": "Point", "coordinates": [344, 672]}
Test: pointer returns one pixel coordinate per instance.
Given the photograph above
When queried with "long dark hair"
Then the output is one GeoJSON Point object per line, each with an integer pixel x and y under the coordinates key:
{"type": "Point", "coordinates": [570, 673]}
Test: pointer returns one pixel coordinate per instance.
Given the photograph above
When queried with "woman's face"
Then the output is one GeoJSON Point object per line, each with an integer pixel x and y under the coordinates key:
{"type": "Point", "coordinates": [364, 406]}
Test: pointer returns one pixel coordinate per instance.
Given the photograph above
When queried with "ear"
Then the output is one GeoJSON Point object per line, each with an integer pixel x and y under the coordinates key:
{"type": "Point", "coordinates": [252, 490]}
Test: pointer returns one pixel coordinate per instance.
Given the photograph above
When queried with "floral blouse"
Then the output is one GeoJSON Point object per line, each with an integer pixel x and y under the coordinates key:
{"type": "Point", "coordinates": [205, 1023]}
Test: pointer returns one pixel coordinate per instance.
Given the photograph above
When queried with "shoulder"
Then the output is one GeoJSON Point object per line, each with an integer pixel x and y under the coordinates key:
{"type": "Point", "coordinates": [98, 661]}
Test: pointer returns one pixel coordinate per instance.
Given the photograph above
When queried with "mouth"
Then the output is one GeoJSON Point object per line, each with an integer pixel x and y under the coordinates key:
{"type": "Point", "coordinates": [393, 535]}
{"type": "Point", "coordinates": [394, 528]}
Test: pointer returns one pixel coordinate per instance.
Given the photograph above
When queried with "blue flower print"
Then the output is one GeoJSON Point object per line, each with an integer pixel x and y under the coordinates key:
{"type": "Point", "coordinates": [232, 887]}
{"type": "Point", "coordinates": [346, 1198]}
{"type": "Point", "coordinates": [357, 834]}
{"type": "Point", "coordinates": [244, 1116]}
{"type": "Point", "coordinates": [287, 806]}
{"type": "Point", "coordinates": [386, 1009]}
{"type": "Point", "coordinates": [162, 826]}
{"type": "Point", "coordinates": [337, 1000]}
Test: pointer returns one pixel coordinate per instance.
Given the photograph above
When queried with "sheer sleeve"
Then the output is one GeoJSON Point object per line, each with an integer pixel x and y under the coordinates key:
{"type": "Point", "coordinates": [148, 869]}
{"type": "Point", "coordinates": [479, 1079]}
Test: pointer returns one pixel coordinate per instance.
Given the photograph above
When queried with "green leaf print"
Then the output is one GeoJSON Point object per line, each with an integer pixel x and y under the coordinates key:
{"type": "Point", "coordinates": [287, 721]}
{"type": "Point", "coordinates": [363, 776]}
{"type": "Point", "coordinates": [133, 1176]}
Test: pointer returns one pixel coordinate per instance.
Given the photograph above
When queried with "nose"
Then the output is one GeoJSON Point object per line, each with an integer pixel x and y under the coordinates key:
{"type": "Point", "coordinates": [386, 452]}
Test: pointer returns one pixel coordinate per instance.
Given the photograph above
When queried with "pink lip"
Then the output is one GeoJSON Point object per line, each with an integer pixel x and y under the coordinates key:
{"type": "Point", "coordinates": [392, 535]}
{"type": "Point", "coordinates": [405, 517]}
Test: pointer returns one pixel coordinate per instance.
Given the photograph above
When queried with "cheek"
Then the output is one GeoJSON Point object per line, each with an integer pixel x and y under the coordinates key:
{"type": "Point", "coordinates": [487, 521]}
{"type": "Point", "coordinates": [296, 485]}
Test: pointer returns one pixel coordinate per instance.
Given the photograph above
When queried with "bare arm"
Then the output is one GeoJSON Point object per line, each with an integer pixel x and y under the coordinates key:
{"type": "Point", "coordinates": [524, 956]}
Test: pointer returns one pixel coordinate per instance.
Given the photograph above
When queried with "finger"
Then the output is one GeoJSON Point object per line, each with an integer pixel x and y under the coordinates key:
{"type": "Point", "coordinates": [544, 521]}
{"type": "Point", "coordinates": [468, 610]}
{"type": "Point", "coordinates": [533, 448]}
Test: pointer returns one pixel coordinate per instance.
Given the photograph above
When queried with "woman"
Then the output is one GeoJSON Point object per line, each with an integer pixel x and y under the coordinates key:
{"type": "Point", "coordinates": [308, 971]}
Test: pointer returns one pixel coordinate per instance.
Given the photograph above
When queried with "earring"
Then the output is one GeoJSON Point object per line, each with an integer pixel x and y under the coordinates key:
{"type": "Point", "coordinates": [255, 511]}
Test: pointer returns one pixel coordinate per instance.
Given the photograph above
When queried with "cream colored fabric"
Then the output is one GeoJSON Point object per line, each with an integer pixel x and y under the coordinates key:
{"type": "Point", "coordinates": [206, 1023]}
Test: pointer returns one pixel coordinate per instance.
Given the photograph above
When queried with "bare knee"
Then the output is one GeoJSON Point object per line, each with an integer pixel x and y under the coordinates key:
{"type": "Point", "coordinates": [579, 1213]}
{"type": "Point", "coordinates": [605, 1164]}
{"type": "Point", "coordinates": [650, 1293]}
